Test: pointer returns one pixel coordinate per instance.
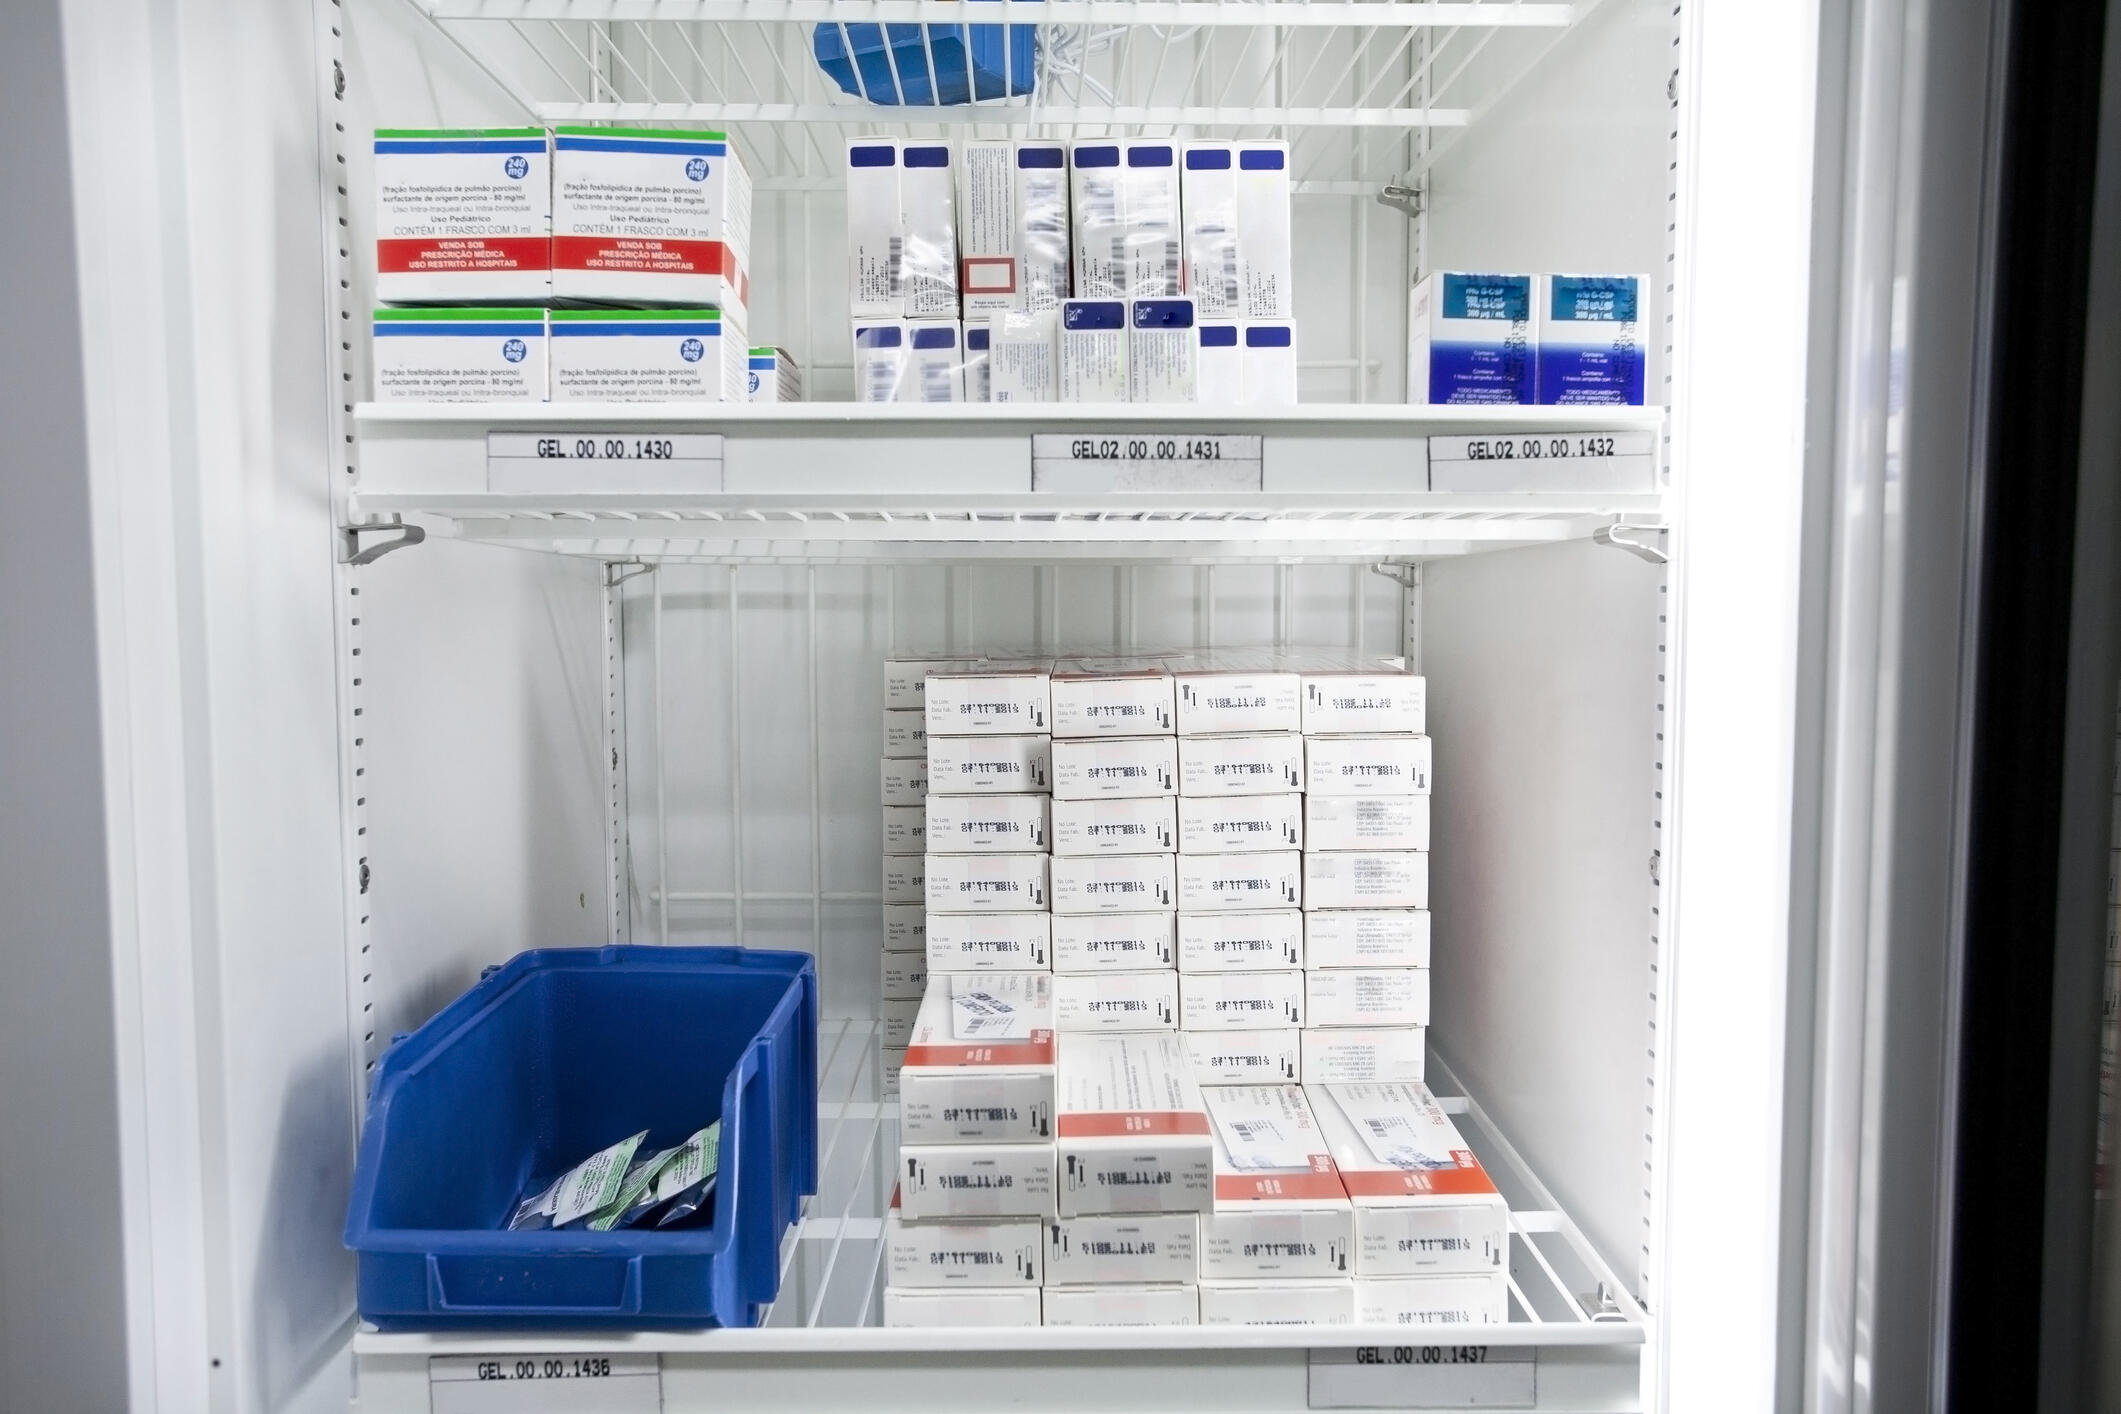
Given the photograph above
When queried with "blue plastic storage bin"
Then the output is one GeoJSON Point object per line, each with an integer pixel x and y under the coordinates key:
{"type": "Point", "coordinates": [870, 61]}
{"type": "Point", "coordinates": [551, 1057]}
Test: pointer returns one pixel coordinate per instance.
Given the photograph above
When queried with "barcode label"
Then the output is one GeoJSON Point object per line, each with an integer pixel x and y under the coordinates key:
{"type": "Point", "coordinates": [1170, 267]}
{"type": "Point", "coordinates": [880, 381]}
{"type": "Point", "coordinates": [1229, 249]}
{"type": "Point", "coordinates": [895, 267]}
{"type": "Point", "coordinates": [935, 384]}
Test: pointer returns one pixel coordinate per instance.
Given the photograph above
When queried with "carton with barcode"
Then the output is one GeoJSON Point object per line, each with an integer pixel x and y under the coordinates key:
{"type": "Point", "coordinates": [1268, 368]}
{"type": "Point", "coordinates": [989, 942]}
{"type": "Point", "coordinates": [1023, 357]}
{"type": "Point", "coordinates": [994, 700]}
{"type": "Point", "coordinates": [1280, 1209]}
{"type": "Point", "coordinates": [1366, 765]}
{"type": "Point", "coordinates": [1367, 701]}
{"type": "Point", "coordinates": [990, 765]}
{"type": "Point", "coordinates": [980, 1061]}
{"type": "Point", "coordinates": [1093, 351]}
{"type": "Point", "coordinates": [1250, 763]}
{"type": "Point", "coordinates": [1114, 883]}
{"type": "Point", "coordinates": [1423, 1203]}
{"type": "Point", "coordinates": [1123, 1247]}
{"type": "Point", "coordinates": [1237, 228]}
{"type": "Point", "coordinates": [1111, 942]}
{"type": "Point", "coordinates": [1366, 879]}
{"type": "Point", "coordinates": [1130, 1127]}
{"type": "Point", "coordinates": [1005, 1252]}
{"type": "Point", "coordinates": [928, 215]}
{"type": "Point", "coordinates": [1345, 1055]}
{"type": "Point", "coordinates": [975, 1180]}
{"type": "Point", "coordinates": [985, 883]}
{"type": "Point", "coordinates": [1123, 1304]}
{"type": "Point", "coordinates": [1163, 351]}
{"type": "Point", "coordinates": [1244, 1057]}
{"type": "Point", "coordinates": [1317, 1302]}
{"type": "Point", "coordinates": [1214, 699]}
{"type": "Point", "coordinates": [1367, 996]}
{"type": "Point", "coordinates": [1095, 697]}
{"type": "Point", "coordinates": [1115, 1001]}
{"type": "Point", "coordinates": [876, 244]}
{"type": "Point", "coordinates": [463, 215]}
{"type": "Point", "coordinates": [1115, 768]}
{"type": "Point", "coordinates": [986, 823]}
{"type": "Point", "coordinates": [1121, 825]}
{"type": "Point", "coordinates": [1240, 824]}
{"type": "Point", "coordinates": [1433, 1301]}
{"type": "Point", "coordinates": [1215, 882]}
{"type": "Point", "coordinates": [1149, 209]}
{"type": "Point", "coordinates": [1367, 937]}
{"type": "Point", "coordinates": [1267, 941]}
{"type": "Point", "coordinates": [935, 365]}
{"type": "Point", "coordinates": [905, 829]}
{"type": "Point", "coordinates": [881, 361]}
{"type": "Point", "coordinates": [1100, 235]}
{"type": "Point", "coordinates": [1366, 821]}
{"type": "Point", "coordinates": [978, 341]}
{"type": "Point", "coordinates": [954, 1309]}
{"type": "Point", "coordinates": [1240, 1001]}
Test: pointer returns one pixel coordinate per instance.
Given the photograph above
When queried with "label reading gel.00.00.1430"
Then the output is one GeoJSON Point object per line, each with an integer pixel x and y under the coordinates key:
{"type": "Point", "coordinates": [534, 463]}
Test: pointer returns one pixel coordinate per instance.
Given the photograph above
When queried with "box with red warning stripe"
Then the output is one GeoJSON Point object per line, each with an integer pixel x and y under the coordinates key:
{"type": "Point", "coordinates": [1280, 1210]}
{"type": "Point", "coordinates": [463, 216]}
{"type": "Point", "coordinates": [651, 216]}
{"type": "Point", "coordinates": [1131, 1130]}
{"type": "Point", "coordinates": [1424, 1206]}
{"type": "Point", "coordinates": [979, 1064]}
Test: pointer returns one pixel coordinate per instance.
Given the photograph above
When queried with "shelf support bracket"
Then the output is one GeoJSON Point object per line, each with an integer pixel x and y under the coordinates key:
{"type": "Point", "coordinates": [1406, 576]}
{"type": "Point", "coordinates": [353, 552]}
{"type": "Point", "coordinates": [617, 572]}
{"type": "Point", "coordinates": [1621, 534]}
{"type": "Point", "coordinates": [1408, 201]}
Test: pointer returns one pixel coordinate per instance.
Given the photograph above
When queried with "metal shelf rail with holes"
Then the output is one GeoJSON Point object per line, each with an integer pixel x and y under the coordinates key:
{"type": "Point", "coordinates": [858, 483]}
{"type": "Point", "coordinates": [1570, 1318]}
{"type": "Point", "coordinates": [1386, 68]}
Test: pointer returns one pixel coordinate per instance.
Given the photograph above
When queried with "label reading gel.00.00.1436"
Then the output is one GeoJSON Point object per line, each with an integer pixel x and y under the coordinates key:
{"type": "Point", "coordinates": [498, 1384]}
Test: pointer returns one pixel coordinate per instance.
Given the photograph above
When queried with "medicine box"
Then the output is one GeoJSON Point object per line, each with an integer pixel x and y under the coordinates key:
{"type": "Point", "coordinates": [1433, 1301]}
{"type": "Point", "coordinates": [905, 976]}
{"type": "Point", "coordinates": [1208, 882]}
{"type": "Point", "coordinates": [979, 1062]}
{"type": "Point", "coordinates": [1013, 225]}
{"type": "Point", "coordinates": [1132, 1132]}
{"type": "Point", "coordinates": [1244, 1057]}
{"type": "Point", "coordinates": [1589, 330]}
{"type": "Point", "coordinates": [1092, 699]}
{"type": "Point", "coordinates": [1007, 1252]}
{"type": "Point", "coordinates": [989, 765]}
{"type": "Point", "coordinates": [1367, 996]}
{"type": "Point", "coordinates": [906, 878]}
{"type": "Point", "coordinates": [1242, 824]}
{"type": "Point", "coordinates": [1123, 1247]}
{"type": "Point", "coordinates": [1366, 765]}
{"type": "Point", "coordinates": [1240, 942]}
{"type": "Point", "coordinates": [1394, 878]}
{"type": "Point", "coordinates": [928, 215]}
{"type": "Point", "coordinates": [978, 345]}
{"type": "Point", "coordinates": [1149, 211]}
{"type": "Point", "coordinates": [876, 244]}
{"type": "Point", "coordinates": [1423, 1204]}
{"type": "Point", "coordinates": [1269, 366]}
{"type": "Point", "coordinates": [1253, 763]}
{"type": "Point", "coordinates": [905, 780]}
{"type": "Point", "coordinates": [989, 702]}
{"type": "Point", "coordinates": [974, 1307]}
{"type": "Point", "coordinates": [1122, 1305]}
{"type": "Point", "coordinates": [906, 681]}
{"type": "Point", "coordinates": [1023, 357]}
{"type": "Point", "coordinates": [906, 927]}
{"type": "Point", "coordinates": [1364, 703]}
{"type": "Point", "coordinates": [974, 1180]}
{"type": "Point", "coordinates": [1114, 883]}
{"type": "Point", "coordinates": [1345, 1055]}
{"type": "Point", "coordinates": [1100, 236]}
{"type": "Point", "coordinates": [1221, 379]}
{"type": "Point", "coordinates": [463, 215]}
{"type": "Point", "coordinates": [1117, 767]}
{"type": "Point", "coordinates": [1237, 220]}
{"type": "Point", "coordinates": [773, 376]}
{"type": "Point", "coordinates": [1366, 821]}
{"type": "Point", "coordinates": [935, 366]}
{"type": "Point", "coordinates": [460, 355]}
{"type": "Point", "coordinates": [1469, 339]}
{"type": "Point", "coordinates": [1367, 937]}
{"type": "Point", "coordinates": [987, 824]}
{"type": "Point", "coordinates": [1042, 224]}
{"type": "Point", "coordinates": [906, 734]}
{"type": "Point", "coordinates": [1093, 351]}
{"type": "Point", "coordinates": [1277, 1303]}
{"type": "Point", "coordinates": [897, 1016]}
{"type": "Point", "coordinates": [882, 360]}
{"type": "Point", "coordinates": [1162, 351]}
{"type": "Point", "coordinates": [1220, 700]}
{"type": "Point", "coordinates": [1128, 825]}
{"type": "Point", "coordinates": [652, 216]}
{"type": "Point", "coordinates": [986, 883]}
{"type": "Point", "coordinates": [1240, 1001]}
{"type": "Point", "coordinates": [1115, 1001]}
{"type": "Point", "coordinates": [989, 942]}
{"type": "Point", "coordinates": [1112, 942]}
{"type": "Point", "coordinates": [641, 356]}
{"type": "Point", "coordinates": [1280, 1211]}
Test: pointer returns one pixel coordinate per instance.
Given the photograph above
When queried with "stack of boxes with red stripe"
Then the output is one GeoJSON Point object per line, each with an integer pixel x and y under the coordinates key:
{"type": "Point", "coordinates": [639, 239]}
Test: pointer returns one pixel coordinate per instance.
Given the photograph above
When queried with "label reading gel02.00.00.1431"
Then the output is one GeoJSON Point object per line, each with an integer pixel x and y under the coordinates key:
{"type": "Point", "coordinates": [1143, 460]}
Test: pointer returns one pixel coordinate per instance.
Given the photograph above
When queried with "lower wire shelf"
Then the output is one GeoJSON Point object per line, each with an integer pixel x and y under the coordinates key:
{"type": "Point", "coordinates": [820, 1345]}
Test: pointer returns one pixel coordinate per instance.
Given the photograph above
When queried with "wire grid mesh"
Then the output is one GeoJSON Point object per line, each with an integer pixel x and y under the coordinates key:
{"type": "Point", "coordinates": [1354, 85]}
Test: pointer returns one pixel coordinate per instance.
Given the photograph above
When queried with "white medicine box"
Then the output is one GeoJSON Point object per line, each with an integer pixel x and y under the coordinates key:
{"type": "Point", "coordinates": [641, 356]}
{"type": "Point", "coordinates": [460, 355]}
{"type": "Point", "coordinates": [1131, 1130]}
{"type": "Point", "coordinates": [463, 215]}
{"type": "Point", "coordinates": [651, 216]}
{"type": "Point", "coordinates": [1469, 339]}
{"type": "Point", "coordinates": [989, 702]}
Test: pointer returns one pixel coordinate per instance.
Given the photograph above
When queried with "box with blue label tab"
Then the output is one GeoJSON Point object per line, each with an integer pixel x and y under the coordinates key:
{"type": "Point", "coordinates": [774, 377]}
{"type": "Point", "coordinates": [651, 216]}
{"type": "Point", "coordinates": [639, 356]}
{"type": "Point", "coordinates": [463, 215]}
{"type": "Point", "coordinates": [1590, 337]}
{"type": "Point", "coordinates": [460, 355]}
{"type": "Point", "coordinates": [1470, 339]}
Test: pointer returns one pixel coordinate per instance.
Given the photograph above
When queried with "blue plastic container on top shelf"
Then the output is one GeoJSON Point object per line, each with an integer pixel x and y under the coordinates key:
{"type": "Point", "coordinates": [876, 61]}
{"type": "Point", "coordinates": [555, 1055]}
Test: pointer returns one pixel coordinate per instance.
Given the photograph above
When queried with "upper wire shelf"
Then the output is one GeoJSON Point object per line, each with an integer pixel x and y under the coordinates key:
{"type": "Point", "coordinates": [1362, 89]}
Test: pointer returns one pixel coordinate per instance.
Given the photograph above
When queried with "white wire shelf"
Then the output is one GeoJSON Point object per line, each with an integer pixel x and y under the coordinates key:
{"type": "Point", "coordinates": [1564, 1299]}
{"type": "Point", "coordinates": [1354, 84]}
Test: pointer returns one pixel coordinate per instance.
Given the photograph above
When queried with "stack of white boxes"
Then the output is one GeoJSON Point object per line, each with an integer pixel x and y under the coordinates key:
{"type": "Point", "coordinates": [1366, 871]}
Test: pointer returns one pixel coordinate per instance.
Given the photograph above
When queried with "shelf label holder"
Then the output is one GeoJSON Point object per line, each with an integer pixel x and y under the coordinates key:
{"type": "Point", "coordinates": [534, 1380]}
{"type": "Point", "coordinates": [574, 461]}
{"type": "Point", "coordinates": [1425, 1377]}
{"type": "Point", "coordinates": [1143, 459]}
